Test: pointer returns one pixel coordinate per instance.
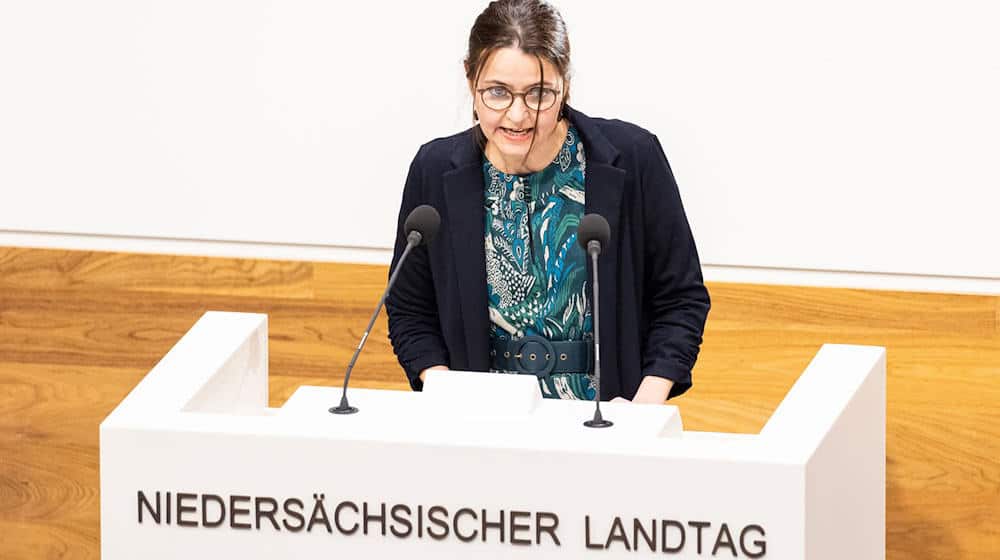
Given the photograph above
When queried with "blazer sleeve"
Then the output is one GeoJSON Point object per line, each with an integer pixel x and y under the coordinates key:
{"type": "Point", "coordinates": [675, 298]}
{"type": "Point", "coordinates": [414, 324]}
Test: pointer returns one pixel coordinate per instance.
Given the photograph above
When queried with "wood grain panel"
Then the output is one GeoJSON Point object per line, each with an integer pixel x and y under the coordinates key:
{"type": "Point", "coordinates": [79, 329]}
{"type": "Point", "coordinates": [34, 268]}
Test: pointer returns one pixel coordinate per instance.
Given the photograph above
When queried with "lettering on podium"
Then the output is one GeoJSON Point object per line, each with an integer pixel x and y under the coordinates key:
{"type": "Point", "coordinates": [437, 522]}
{"type": "Point", "coordinates": [673, 537]}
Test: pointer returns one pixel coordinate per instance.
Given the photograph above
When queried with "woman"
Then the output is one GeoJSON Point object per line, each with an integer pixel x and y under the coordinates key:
{"type": "Point", "coordinates": [505, 285]}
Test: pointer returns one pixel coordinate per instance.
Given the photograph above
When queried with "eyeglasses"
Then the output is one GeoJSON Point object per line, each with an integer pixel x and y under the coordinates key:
{"type": "Point", "coordinates": [500, 98]}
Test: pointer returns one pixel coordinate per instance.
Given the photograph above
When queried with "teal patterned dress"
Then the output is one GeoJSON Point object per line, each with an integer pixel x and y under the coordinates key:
{"type": "Point", "coordinates": [536, 271]}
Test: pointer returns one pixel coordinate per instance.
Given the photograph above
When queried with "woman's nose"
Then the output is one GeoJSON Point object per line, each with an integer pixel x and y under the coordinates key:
{"type": "Point", "coordinates": [517, 109]}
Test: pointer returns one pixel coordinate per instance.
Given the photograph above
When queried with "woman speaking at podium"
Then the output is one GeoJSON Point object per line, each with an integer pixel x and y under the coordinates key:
{"type": "Point", "coordinates": [504, 287]}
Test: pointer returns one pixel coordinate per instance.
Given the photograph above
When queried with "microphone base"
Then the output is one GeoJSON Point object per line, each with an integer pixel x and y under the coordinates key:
{"type": "Point", "coordinates": [344, 409]}
{"type": "Point", "coordinates": [598, 423]}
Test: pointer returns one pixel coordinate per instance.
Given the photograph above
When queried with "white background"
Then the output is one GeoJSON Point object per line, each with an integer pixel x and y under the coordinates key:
{"type": "Point", "coordinates": [806, 136]}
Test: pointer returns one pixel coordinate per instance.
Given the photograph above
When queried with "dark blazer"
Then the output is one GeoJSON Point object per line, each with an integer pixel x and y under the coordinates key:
{"type": "Point", "coordinates": [653, 300]}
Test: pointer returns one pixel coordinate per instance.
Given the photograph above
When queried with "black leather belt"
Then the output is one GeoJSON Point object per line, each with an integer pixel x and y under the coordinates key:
{"type": "Point", "coordinates": [538, 356]}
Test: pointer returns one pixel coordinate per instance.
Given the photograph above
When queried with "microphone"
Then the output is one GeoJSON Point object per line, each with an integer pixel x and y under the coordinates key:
{"type": "Point", "coordinates": [421, 226]}
{"type": "Point", "coordinates": [594, 233]}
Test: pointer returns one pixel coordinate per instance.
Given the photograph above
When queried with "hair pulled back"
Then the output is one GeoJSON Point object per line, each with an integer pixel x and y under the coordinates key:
{"type": "Point", "coordinates": [533, 26]}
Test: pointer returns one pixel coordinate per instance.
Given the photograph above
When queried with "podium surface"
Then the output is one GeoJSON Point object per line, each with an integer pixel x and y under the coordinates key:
{"type": "Point", "coordinates": [195, 464]}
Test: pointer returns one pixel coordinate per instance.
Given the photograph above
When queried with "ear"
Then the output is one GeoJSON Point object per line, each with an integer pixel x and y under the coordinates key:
{"type": "Point", "coordinates": [564, 101]}
{"type": "Point", "coordinates": [475, 98]}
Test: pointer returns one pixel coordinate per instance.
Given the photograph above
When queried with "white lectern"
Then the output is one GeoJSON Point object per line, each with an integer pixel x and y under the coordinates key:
{"type": "Point", "coordinates": [195, 465]}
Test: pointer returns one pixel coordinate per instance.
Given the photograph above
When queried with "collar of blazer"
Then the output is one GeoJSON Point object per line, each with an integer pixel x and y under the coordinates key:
{"type": "Point", "coordinates": [464, 212]}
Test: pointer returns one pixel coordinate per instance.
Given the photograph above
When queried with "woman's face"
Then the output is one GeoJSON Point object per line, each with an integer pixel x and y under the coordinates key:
{"type": "Point", "coordinates": [510, 131]}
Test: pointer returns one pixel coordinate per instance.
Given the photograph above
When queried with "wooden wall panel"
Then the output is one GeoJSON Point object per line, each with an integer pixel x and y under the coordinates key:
{"type": "Point", "coordinates": [79, 329]}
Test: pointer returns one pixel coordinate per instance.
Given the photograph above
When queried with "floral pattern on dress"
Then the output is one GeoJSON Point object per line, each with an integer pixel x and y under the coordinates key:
{"type": "Point", "coordinates": [536, 271]}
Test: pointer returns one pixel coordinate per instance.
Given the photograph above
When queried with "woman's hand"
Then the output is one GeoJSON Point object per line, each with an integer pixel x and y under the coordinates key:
{"type": "Point", "coordinates": [423, 374]}
{"type": "Point", "coordinates": [652, 390]}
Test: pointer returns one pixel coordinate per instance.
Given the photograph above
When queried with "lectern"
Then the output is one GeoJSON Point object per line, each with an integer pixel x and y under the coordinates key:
{"type": "Point", "coordinates": [194, 464]}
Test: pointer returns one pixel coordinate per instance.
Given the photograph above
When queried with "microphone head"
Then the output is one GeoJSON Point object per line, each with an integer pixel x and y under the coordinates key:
{"type": "Point", "coordinates": [425, 220]}
{"type": "Point", "coordinates": [593, 227]}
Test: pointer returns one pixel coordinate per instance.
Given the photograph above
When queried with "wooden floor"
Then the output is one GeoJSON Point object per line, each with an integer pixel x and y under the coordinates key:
{"type": "Point", "coordinates": [78, 330]}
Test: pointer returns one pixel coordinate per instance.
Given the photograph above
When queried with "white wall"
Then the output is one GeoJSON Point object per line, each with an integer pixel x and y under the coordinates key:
{"type": "Point", "coordinates": [852, 140]}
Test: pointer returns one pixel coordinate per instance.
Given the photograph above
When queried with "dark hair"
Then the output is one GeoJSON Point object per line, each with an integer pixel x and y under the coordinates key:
{"type": "Point", "coordinates": [533, 26]}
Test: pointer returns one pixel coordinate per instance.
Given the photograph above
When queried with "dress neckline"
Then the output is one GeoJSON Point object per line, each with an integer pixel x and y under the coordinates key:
{"type": "Point", "coordinates": [570, 133]}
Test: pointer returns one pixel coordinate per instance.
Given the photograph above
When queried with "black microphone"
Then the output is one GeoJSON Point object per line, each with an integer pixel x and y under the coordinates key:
{"type": "Point", "coordinates": [594, 233]}
{"type": "Point", "coordinates": [421, 226]}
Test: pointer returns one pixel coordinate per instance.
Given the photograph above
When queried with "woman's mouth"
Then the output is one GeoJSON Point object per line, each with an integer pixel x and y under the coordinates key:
{"type": "Point", "coordinates": [516, 134]}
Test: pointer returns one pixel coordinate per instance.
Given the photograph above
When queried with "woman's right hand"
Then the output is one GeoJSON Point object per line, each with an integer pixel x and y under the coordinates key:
{"type": "Point", "coordinates": [423, 374]}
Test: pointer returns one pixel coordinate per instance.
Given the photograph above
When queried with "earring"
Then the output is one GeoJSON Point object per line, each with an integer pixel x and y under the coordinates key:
{"type": "Point", "coordinates": [475, 116]}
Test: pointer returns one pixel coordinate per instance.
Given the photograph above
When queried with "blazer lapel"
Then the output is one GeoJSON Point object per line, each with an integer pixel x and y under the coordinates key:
{"type": "Point", "coordinates": [464, 195]}
{"type": "Point", "coordinates": [604, 187]}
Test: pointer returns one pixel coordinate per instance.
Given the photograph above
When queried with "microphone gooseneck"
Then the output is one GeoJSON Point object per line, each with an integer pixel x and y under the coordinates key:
{"type": "Point", "coordinates": [421, 225]}
{"type": "Point", "coordinates": [594, 233]}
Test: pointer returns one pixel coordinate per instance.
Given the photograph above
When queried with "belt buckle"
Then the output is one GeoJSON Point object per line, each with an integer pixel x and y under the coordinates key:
{"type": "Point", "coordinates": [535, 355]}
